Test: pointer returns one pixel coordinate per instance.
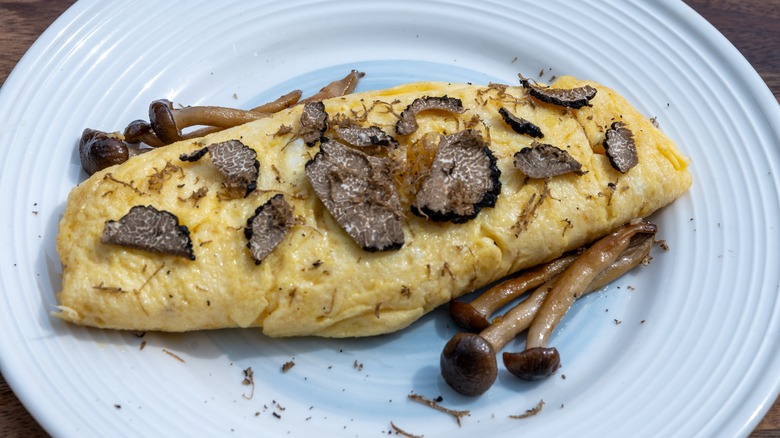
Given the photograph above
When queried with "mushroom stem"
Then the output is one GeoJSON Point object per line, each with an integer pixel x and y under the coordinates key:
{"type": "Point", "coordinates": [604, 261]}
{"type": "Point", "coordinates": [167, 122]}
{"type": "Point", "coordinates": [221, 117]}
{"type": "Point", "coordinates": [520, 317]}
{"type": "Point", "coordinates": [575, 279]}
{"type": "Point", "coordinates": [140, 131]}
{"type": "Point", "coordinates": [475, 315]}
{"type": "Point", "coordinates": [336, 88]}
{"type": "Point", "coordinates": [283, 102]}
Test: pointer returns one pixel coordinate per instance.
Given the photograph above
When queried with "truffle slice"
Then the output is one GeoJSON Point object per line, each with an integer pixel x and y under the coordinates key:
{"type": "Point", "coordinates": [463, 179]}
{"type": "Point", "coordinates": [620, 147]}
{"type": "Point", "coordinates": [568, 97]}
{"type": "Point", "coordinates": [267, 228]}
{"type": "Point", "coordinates": [314, 122]}
{"type": "Point", "coordinates": [236, 161]}
{"type": "Point", "coordinates": [545, 161]}
{"type": "Point", "coordinates": [358, 191]}
{"type": "Point", "coordinates": [364, 137]}
{"type": "Point", "coordinates": [520, 125]}
{"type": "Point", "coordinates": [150, 229]}
{"type": "Point", "coordinates": [407, 124]}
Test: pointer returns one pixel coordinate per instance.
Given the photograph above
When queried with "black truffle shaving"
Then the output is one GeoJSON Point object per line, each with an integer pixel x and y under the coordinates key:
{"type": "Point", "coordinates": [236, 161]}
{"type": "Point", "coordinates": [407, 124]}
{"type": "Point", "coordinates": [545, 161]}
{"type": "Point", "coordinates": [364, 137]}
{"type": "Point", "coordinates": [568, 97]}
{"type": "Point", "coordinates": [520, 125]}
{"type": "Point", "coordinates": [314, 122]}
{"type": "Point", "coordinates": [358, 191]}
{"type": "Point", "coordinates": [150, 229]}
{"type": "Point", "coordinates": [463, 179]}
{"type": "Point", "coordinates": [620, 147]}
{"type": "Point", "coordinates": [267, 228]}
{"type": "Point", "coordinates": [194, 156]}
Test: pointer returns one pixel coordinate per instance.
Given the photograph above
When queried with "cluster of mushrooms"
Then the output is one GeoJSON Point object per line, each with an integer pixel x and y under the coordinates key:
{"type": "Point", "coordinates": [468, 360]}
{"type": "Point", "coordinates": [99, 149]}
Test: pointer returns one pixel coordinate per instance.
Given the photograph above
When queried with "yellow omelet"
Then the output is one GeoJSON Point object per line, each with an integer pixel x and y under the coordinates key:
{"type": "Point", "coordinates": [319, 278]}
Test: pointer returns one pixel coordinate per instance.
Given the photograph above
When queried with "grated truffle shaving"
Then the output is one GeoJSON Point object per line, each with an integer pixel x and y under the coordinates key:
{"type": "Point", "coordinates": [267, 228]}
{"type": "Point", "coordinates": [407, 124]}
{"type": "Point", "coordinates": [463, 179]}
{"type": "Point", "coordinates": [314, 122]}
{"type": "Point", "coordinates": [236, 161]}
{"type": "Point", "coordinates": [520, 125]}
{"type": "Point", "coordinates": [150, 229]}
{"type": "Point", "coordinates": [364, 137]}
{"type": "Point", "coordinates": [358, 191]}
{"type": "Point", "coordinates": [545, 161]}
{"type": "Point", "coordinates": [568, 97]}
{"type": "Point", "coordinates": [620, 147]}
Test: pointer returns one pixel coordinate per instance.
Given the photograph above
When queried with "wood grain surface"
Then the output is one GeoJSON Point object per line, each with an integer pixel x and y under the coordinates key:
{"type": "Point", "coordinates": [753, 26]}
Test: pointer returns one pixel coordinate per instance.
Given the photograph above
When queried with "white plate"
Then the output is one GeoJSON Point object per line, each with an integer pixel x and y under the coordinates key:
{"type": "Point", "coordinates": [703, 362]}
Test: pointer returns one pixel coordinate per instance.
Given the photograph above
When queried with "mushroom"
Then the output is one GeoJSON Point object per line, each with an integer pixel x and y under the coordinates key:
{"type": "Point", "coordinates": [519, 124]}
{"type": "Point", "coordinates": [98, 150]}
{"type": "Point", "coordinates": [150, 229]}
{"type": "Point", "coordinates": [282, 102]}
{"type": "Point", "coordinates": [574, 98]}
{"type": "Point", "coordinates": [140, 131]}
{"type": "Point", "coordinates": [620, 147]}
{"type": "Point", "coordinates": [463, 178]}
{"type": "Point", "coordinates": [167, 122]}
{"type": "Point", "coordinates": [468, 360]}
{"type": "Point", "coordinates": [475, 316]}
{"type": "Point", "coordinates": [336, 88]}
{"type": "Point", "coordinates": [543, 160]}
{"type": "Point", "coordinates": [537, 361]}
{"type": "Point", "coordinates": [407, 122]}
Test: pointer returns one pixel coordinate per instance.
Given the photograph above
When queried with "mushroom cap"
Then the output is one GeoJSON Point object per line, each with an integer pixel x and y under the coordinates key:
{"type": "Point", "coordinates": [467, 317]}
{"type": "Point", "coordinates": [163, 122]}
{"type": "Point", "coordinates": [98, 150]}
{"type": "Point", "coordinates": [533, 363]}
{"type": "Point", "coordinates": [468, 364]}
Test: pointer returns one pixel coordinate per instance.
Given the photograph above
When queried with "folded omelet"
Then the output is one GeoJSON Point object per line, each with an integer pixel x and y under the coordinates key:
{"type": "Point", "coordinates": [320, 274]}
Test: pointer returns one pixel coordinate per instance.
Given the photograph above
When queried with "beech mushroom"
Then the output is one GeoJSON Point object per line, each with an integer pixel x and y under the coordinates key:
{"type": "Point", "coordinates": [140, 131]}
{"type": "Point", "coordinates": [475, 316]}
{"type": "Point", "coordinates": [98, 150]}
{"type": "Point", "coordinates": [537, 361]}
{"type": "Point", "coordinates": [468, 360]}
{"type": "Point", "coordinates": [168, 122]}
{"type": "Point", "coordinates": [336, 88]}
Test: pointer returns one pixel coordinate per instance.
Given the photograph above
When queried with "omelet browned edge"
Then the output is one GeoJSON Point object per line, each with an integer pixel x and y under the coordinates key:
{"type": "Point", "coordinates": [318, 281]}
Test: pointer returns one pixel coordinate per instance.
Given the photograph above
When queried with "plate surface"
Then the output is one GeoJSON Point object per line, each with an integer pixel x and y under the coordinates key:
{"type": "Point", "coordinates": [687, 346]}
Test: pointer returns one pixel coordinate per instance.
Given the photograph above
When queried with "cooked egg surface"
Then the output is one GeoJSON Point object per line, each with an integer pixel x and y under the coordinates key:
{"type": "Point", "coordinates": [318, 281]}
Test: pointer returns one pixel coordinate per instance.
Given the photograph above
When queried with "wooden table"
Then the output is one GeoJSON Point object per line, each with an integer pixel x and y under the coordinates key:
{"type": "Point", "coordinates": [751, 25]}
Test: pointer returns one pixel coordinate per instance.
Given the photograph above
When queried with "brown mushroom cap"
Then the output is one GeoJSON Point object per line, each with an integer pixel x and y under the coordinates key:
{"type": "Point", "coordinates": [468, 364]}
{"type": "Point", "coordinates": [98, 150]}
{"type": "Point", "coordinates": [162, 121]}
{"type": "Point", "coordinates": [533, 363]}
{"type": "Point", "coordinates": [140, 131]}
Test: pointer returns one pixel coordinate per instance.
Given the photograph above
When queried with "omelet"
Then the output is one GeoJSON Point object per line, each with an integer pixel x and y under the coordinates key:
{"type": "Point", "coordinates": [321, 274]}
